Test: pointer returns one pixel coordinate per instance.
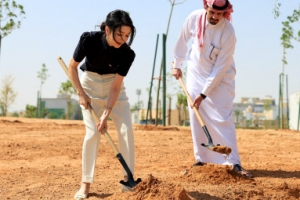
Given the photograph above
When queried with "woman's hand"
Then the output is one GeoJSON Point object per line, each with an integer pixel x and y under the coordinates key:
{"type": "Point", "coordinates": [103, 122]}
{"type": "Point", "coordinates": [197, 102]}
{"type": "Point", "coordinates": [84, 100]}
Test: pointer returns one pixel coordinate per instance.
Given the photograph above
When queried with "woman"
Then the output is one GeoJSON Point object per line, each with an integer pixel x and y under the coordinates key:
{"type": "Point", "coordinates": [107, 61]}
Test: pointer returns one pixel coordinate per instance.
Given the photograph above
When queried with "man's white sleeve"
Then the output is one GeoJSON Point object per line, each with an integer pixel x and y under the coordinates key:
{"type": "Point", "coordinates": [181, 45]}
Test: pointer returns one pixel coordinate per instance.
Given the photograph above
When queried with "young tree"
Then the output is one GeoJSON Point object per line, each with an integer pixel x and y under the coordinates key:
{"type": "Point", "coordinates": [237, 114]}
{"type": "Point", "coordinates": [42, 75]}
{"type": "Point", "coordinates": [67, 89]}
{"type": "Point", "coordinates": [11, 14]}
{"type": "Point", "coordinates": [288, 34]}
{"type": "Point", "coordinates": [181, 107]}
{"type": "Point", "coordinates": [7, 95]}
{"type": "Point", "coordinates": [30, 111]}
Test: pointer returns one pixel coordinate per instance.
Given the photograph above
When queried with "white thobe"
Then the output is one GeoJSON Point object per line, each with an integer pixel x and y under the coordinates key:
{"type": "Point", "coordinates": [211, 71]}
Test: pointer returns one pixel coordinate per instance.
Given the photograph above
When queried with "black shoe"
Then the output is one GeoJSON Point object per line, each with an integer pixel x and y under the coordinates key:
{"type": "Point", "coordinates": [241, 171]}
{"type": "Point", "coordinates": [198, 164]}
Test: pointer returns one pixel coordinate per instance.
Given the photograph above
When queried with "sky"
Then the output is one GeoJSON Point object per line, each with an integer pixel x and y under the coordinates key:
{"type": "Point", "coordinates": [51, 29]}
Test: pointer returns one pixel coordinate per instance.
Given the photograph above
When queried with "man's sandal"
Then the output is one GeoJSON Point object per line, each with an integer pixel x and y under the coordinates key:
{"type": "Point", "coordinates": [241, 171]}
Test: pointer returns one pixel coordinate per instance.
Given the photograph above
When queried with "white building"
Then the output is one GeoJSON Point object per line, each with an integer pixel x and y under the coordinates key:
{"type": "Point", "coordinates": [294, 111]}
{"type": "Point", "coordinates": [58, 107]}
{"type": "Point", "coordinates": [254, 110]}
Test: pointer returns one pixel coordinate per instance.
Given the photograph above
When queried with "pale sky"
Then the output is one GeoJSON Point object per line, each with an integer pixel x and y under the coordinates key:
{"type": "Point", "coordinates": [52, 29]}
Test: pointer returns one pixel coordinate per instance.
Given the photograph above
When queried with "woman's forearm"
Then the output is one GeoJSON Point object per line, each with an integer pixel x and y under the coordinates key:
{"type": "Point", "coordinates": [73, 74]}
{"type": "Point", "coordinates": [113, 93]}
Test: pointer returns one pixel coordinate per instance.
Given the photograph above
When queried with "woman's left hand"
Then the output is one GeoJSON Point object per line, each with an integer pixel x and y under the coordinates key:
{"type": "Point", "coordinates": [103, 123]}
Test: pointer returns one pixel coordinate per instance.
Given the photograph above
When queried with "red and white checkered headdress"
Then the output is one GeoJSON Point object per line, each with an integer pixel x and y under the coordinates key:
{"type": "Point", "coordinates": [218, 6]}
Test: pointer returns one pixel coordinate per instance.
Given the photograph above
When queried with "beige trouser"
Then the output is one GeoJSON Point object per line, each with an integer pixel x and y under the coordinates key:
{"type": "Point", "coordinates": [97, 87]}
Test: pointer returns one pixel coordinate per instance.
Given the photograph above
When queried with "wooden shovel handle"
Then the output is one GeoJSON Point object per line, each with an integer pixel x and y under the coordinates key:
{"type": "Point", "coordinates": [95, 117]}
{"type": "Point", "coordinates": [190, 99]}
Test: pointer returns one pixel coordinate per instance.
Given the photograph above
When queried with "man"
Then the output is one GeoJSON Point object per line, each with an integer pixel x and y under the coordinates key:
{"type": "Point", "coordinates": [210, 79]}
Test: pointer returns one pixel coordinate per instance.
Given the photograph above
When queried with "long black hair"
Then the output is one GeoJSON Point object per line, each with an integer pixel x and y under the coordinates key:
{"type": "Point", "coordinates": [115, 20]}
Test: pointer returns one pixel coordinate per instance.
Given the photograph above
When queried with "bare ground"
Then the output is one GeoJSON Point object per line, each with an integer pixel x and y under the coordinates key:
{"type": "Point", "coordinates": [41, 159]}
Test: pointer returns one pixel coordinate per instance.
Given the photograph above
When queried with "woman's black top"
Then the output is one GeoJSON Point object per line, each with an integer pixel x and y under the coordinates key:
{"type": "Point", "coordinates": [102, 58]}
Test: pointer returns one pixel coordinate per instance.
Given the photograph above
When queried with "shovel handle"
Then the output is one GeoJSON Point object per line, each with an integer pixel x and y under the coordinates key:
{"type": "Point", "coordinates": [94, 115]}
{"type": "Point", "coordinates": [191, 101]}
{"type": "Point", "coordinates": [189, 98]}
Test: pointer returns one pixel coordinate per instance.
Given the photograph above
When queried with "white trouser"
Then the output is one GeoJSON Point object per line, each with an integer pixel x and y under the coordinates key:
{"type": "Point", "coordinates": [97, 87]}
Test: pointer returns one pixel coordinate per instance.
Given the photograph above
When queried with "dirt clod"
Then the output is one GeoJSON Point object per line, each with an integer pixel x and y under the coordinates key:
{"type": "Point", "coordinates": [221, 149]}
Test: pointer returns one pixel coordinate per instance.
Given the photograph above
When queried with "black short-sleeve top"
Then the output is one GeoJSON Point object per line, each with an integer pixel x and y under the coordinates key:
{"type": "Point", "coordinates": [100, 57]}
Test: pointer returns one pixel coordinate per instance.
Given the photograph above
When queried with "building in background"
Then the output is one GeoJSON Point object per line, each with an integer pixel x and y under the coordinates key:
{"type": "Point", "coordinates": [173, 117]}
{"type": "Point", "coordinates": [57, 108]}
{"type": "Point", "coordinates": [255, 112]}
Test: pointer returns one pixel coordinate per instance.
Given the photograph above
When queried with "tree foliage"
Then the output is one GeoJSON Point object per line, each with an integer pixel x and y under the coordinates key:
{"type": "Point", "coordinates": [267, 105]}
{"type": "Point", "coordinates": [11, 15]}
{"type": "Point", "coordinates": [181, 107]}
{"type": "Point", "coordinates": [288, 33]}
{"type": "Point", "coordinates": [67, 89]}
{"type": "Point", "coordinates": [30, 111]}
{"type": "Point", "coordinates": [42, 75]}
{"type": "Point", "coordinates": [7, 95]}
{"type": "Point", "coordinates": [276, 9]}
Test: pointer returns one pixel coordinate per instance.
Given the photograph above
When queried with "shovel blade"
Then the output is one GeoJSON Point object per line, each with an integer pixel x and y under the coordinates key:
{"type": "Point", "coordinates": [218, 148]}
{"type": "Point", "coordinates": [131, 183]}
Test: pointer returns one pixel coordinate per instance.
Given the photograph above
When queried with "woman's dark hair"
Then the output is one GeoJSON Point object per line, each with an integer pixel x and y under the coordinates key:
{"type": "Point", "coordinates": [115, 20]}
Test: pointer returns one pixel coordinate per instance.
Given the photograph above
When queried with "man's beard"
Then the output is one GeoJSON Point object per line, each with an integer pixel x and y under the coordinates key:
{"type": "Point", "coordinates": [213, 22]}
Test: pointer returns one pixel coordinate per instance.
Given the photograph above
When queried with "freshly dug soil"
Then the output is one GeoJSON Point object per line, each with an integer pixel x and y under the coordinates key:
{"type": "Point", "coordinates": [41, 159]}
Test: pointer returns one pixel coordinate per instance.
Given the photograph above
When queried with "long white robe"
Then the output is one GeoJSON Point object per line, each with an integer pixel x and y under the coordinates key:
{"type": "Point", "coordinates": [211, 71]}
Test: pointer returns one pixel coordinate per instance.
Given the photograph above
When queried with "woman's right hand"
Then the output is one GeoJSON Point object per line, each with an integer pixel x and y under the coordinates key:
{"type": "Point", "coordinates": [84, 100]}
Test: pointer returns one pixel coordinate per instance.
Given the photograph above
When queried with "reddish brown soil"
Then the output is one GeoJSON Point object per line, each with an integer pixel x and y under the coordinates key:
{"type": "Point", "coordinates": [41, 159]}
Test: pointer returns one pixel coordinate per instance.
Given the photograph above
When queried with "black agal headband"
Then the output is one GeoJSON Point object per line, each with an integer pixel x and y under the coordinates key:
{"type": "Point", "coordinates": [220, 7]}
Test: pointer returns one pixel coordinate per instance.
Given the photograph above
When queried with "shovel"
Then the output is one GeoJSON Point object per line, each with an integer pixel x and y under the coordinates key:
{"type": "Point", "coordinates": [216, 148]}
{"type": "Point", "coordinates": [130, 182]}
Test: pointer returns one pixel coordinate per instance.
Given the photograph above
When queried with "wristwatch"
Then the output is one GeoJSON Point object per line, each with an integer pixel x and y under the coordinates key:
{"type": "Point", "coordinates": [203, 96]}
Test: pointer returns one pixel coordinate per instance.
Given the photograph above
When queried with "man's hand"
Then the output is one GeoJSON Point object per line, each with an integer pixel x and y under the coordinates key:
{"type": "Point", "coordinates": [177, 73]}
{"type": "Point", "coordinates": [197, 102]}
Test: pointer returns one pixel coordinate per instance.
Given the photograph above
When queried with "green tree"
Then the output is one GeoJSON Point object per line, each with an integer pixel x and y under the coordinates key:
{"type": "Point", "coordinates": [267, 105]}
{"type": "Point", "coordinates": [30, 111]}
{"type": "Point", "coordinates": [67, 89]}
{"type": "Point", "coordinates": [42, 75]}
{"type": "Point", "coordinates": [288, 34]}
{"type": "Point", "coordinates": [7, 95]}
{"type": "Point", "coordinates": [237, 114]}
{"type": "Point", "coordinates": [11, 15]}
{"type": "Point", "coordinates": [181, 106]}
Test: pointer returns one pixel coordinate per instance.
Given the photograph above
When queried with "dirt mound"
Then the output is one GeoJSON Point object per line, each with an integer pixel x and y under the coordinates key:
{"type": "Point", "coordinates": [9, 121]}
{"type": "Point", "coordinates": [155, 128]}
{"type": "Point", "coordinates": [152, 188]}
{"type": "Point", "coordinates": [215, 174]}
